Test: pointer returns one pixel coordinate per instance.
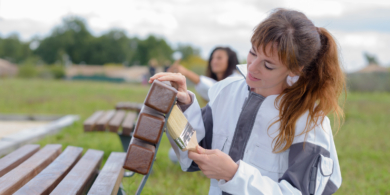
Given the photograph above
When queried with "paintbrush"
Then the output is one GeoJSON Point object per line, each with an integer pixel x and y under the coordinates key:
{"type": "Point", "coordinates": [181, 131]}
{"type": "Point", "coordinates": [161, 97]}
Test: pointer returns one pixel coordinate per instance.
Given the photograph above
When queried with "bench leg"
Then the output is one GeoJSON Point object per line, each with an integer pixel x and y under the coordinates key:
{"type": "Point", "coordinates": [125, 140]}
{"type": "Point", "coordinates": [121, 191]}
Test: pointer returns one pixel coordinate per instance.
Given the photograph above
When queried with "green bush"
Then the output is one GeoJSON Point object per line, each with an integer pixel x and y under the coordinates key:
{"type": "Point", "coordinates": [369, 82]}
{"type": "Point", "coordinates": [41, 71]}
{"type": "Point", "coordinates": [28, 71]}
{"type": "Point", "coordinates": [58, 71]}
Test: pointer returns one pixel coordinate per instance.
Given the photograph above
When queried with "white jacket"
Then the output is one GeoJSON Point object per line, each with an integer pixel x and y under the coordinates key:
{"type": "Point", "coordinates": [205, 83]}
{"type": "Point", "coordinates": [310, 168]}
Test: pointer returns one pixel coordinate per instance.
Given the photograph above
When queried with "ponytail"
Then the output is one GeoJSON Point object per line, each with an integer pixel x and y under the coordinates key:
{"type": "Point", "coordinates": [316, 91]}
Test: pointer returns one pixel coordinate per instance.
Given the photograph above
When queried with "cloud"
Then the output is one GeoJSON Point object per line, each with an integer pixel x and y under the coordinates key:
{"type": "Point", "coordinates": [358, 25]}
{"type": "Point", "coordinates": [372, 19]}
{"type": "Point", "coordinates": [354, 44]}
{"type": "Point", "coordinates": [26, 28]}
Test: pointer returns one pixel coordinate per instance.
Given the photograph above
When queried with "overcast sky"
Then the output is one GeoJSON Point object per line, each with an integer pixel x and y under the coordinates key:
{"type": "Point", "coordinates": [358, 26]}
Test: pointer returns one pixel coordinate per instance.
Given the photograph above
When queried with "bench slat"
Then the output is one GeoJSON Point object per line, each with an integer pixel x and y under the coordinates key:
{"type": "Point", "coordinates": [129, 106]}
{"type": "Point", "coordinates": [101, 124]}
{"type": "Point", "coordinates": [81, 176]}
{"type": "Point", "coordinates": [128, 123]}
{"type": "Point", "coordinates": [17, 157]}
{"type": "Point", "coordinates": [19, 176]}
{"type": "Point", "coordinates": [89, 124]}
{"type": "Point", "coordinates": [49, 178]}
{"type": "Point", "coordinates": [116, 120]}
{"type": "Point", "coordinates": [110, 176]}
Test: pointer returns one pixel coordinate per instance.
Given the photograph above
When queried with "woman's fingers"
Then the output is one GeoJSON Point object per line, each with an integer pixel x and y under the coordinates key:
{"type": "Point", "coordinates": [158, 75]}
{"type": "Point", "coordinates": [178, 81]}
{"type": "Point", "coordinates": [194, 156]}
{"type": "Point", "coordinates": [201, 150]}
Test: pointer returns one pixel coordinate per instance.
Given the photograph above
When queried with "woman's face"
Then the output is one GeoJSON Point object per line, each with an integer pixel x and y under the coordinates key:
{"type": "Point", "coordinates": [266, 74]}
{"type": "Point", "coordinates": [219, 61]}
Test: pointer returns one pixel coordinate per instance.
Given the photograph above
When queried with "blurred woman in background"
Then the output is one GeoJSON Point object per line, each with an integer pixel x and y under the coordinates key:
{"type": "Point", "coordinates": [222, 63]}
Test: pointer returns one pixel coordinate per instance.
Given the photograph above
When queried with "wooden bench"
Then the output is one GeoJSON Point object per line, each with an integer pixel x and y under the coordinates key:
{"type": "Point", "coordinates": [30, 170]}
{"type": "Point", "coordinates": [124, 117]}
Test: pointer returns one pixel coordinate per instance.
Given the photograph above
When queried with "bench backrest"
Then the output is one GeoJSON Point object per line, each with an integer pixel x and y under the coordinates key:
{"type": "Point", "coordinates": [48, 171]}
{"type": "Point", "coordinates": [111, 120]}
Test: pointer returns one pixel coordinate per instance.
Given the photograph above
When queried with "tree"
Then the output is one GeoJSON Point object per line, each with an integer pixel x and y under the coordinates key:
{"type": "Point", "coordinates": [14, 50]}
{"type": "Point", "coordinates": [153, 47]}
{"type": "Point", "coordinates": [72, 38]}
{"type": "Point", "coordinates": [187, 51]}
{"type": "Point", "coordinates": [371, 59]}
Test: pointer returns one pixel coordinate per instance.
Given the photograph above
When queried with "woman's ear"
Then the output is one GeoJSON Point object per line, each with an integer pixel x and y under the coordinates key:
{"type": "Point", "coordinates": [293, 74]}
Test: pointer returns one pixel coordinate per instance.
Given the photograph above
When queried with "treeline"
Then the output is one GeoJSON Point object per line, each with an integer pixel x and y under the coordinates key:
{"type": "Point", "coordinates": [72, 41]}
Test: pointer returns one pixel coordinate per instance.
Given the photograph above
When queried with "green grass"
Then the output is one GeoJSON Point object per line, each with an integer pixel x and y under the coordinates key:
{"type": "Point", "coordinates": [362, 142]}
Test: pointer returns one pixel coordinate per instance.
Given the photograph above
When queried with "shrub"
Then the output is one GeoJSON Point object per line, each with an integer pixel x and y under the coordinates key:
{"type": "Point", "coordinates": [369, 82]}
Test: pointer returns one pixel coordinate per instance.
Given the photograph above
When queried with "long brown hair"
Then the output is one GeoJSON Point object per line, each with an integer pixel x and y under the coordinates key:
{"type": "Point", "coordinates": [311, 53]}
{"type": "Point", "coordinates": [232, 62]}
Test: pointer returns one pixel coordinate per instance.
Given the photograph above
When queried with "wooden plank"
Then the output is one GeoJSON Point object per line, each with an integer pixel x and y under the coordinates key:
{"type": "Point", "coordinates": [81, 176]}
{"type": "Point", "coordinates": [110, 177]}
{"type": "Point", "coordinates": [50, 177]}
{"type": "Point", "coordinates": [132, 106]}
{"type": "Point", "coordinates": [139, 156]}
{"type": "Point", "coordinates": [102, 123]}
{"type": "Point", "coordinates": [89, 124]}
{"type": "Point", "coordinates": [19, 176]}
{"type": "Point", "coordinates": [17, 157]}
{"type": "Point", "coordinates": [128, 123]}
{"type": "Point", "coordinates": [116, 121]}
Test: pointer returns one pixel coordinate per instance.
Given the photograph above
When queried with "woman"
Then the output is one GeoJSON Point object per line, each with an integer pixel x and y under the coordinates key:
{"type": "Point", "coordinates": [222, 64]}
{"type": "Point", "coordinates": [260, 135]}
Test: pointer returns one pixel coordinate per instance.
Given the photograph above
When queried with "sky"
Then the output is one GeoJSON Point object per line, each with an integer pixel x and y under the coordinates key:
{"type": "Point", "coordinates": [358, 26]}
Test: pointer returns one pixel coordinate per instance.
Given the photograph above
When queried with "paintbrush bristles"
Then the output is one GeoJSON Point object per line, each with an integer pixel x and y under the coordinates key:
{"type": "Point", "coordinates": [176, 124]}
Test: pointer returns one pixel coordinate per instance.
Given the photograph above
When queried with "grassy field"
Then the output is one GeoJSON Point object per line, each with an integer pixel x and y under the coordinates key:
{"type": "Point", "coordinates": [362, 142]}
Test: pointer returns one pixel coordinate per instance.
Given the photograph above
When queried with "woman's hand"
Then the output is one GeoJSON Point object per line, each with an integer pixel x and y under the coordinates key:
{"type": "Point", "coordinates": [178, 81]}
{"type": "Point", "coordinates": [214, 163]}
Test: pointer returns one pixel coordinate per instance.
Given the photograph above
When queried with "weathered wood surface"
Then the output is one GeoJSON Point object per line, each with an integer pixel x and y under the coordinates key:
{"type": "Point", "coordinates": [128, 123]}
{"type": "Point", "coordinates": [116, 121]}
{"type": "Point", "coordinates": [160, 97]}
{"type": "Point", "coordinates": [51, 176]}
{"type": "Point", "coordinates": [129, 106]}
{"type": "Point", "coordinates": [17, 157]}
{"type": "Point", "coordinates": [139, 156]}
{"type": "Point", "coordinates": [110, 176]}
{"type": "Point", "coordinates": [102, 123]}
{"type": "Point", "coordinates": [149, 127]}
{"type": "Point", "coordinates": [90, 123]}
{"type": "Point", "coordinates": [78, 180]}
{"type": "Point", "coordinates": [22, 174]}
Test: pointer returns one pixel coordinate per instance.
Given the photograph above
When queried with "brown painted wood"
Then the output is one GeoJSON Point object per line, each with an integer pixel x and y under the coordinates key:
{"type": "Point", "coordinates": [51, 176]}
{"type": "Point", "coordinates": [89, 124]}
{"type": "Point", "coordinates": [81, 176]}
{"type": "Point", "coordinates": [102, 123]}
{"type": "Point", "coordinates": [149, 127]}
{"type": "Point", "coordinates": [19, 176]}
{"type": "Point", "coordinates": [17, 157]}
{"type": "Point", "coordinates": [160, 97]}
{"type": "Point", "coordinates": [129, 106]}
{"type": "Point", "coordinates": [116, 121]}
{"type": "Point", "coordinates": [128, 123]}
{"type": "Point", "coordinates": [139, 156]}
{"type": "Point", "coordinates": [110, 176]}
